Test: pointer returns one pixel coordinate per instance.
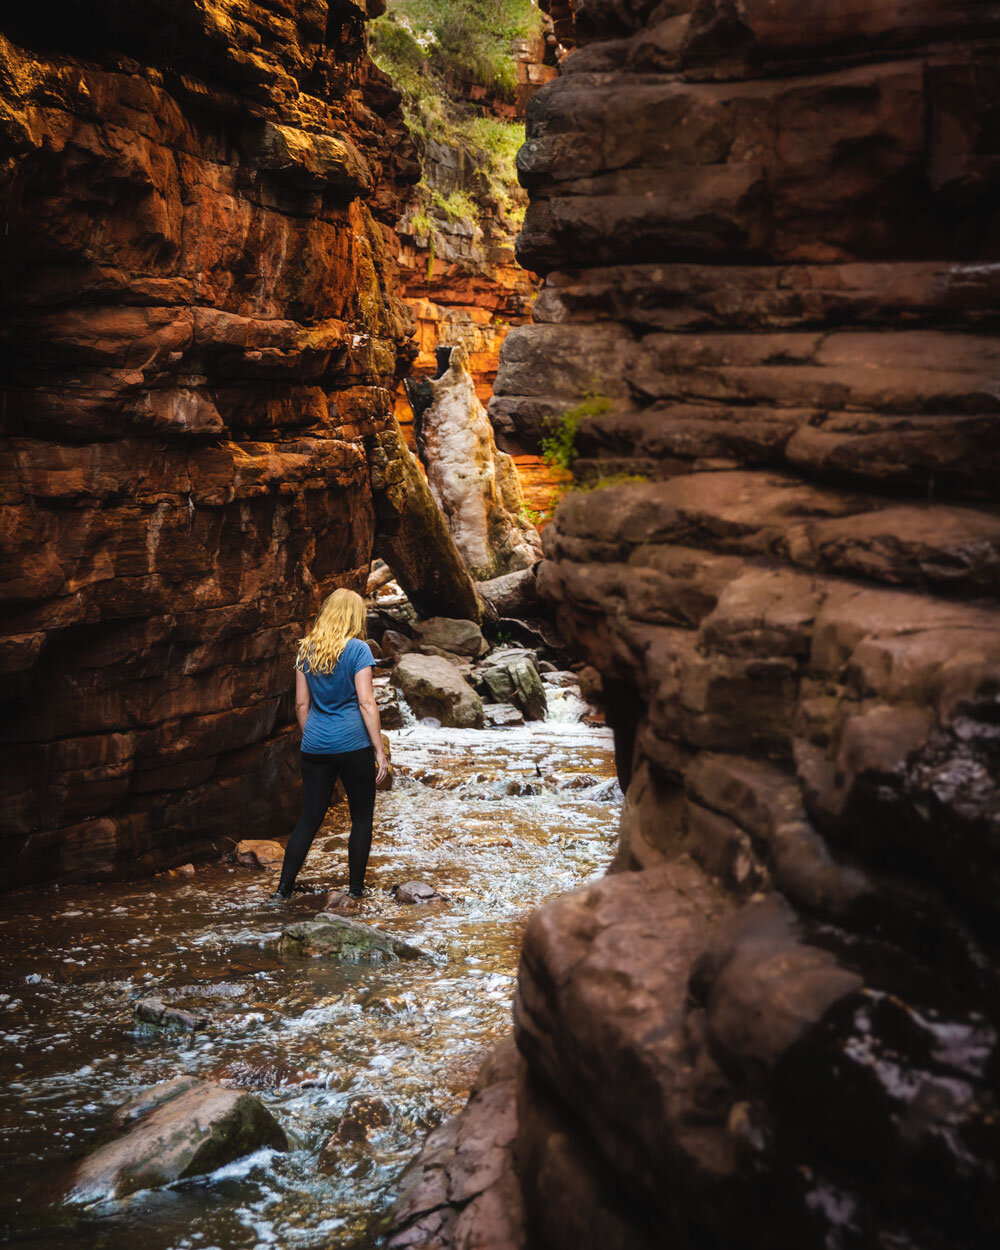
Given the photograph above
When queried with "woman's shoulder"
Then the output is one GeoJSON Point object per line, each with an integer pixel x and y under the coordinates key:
{"type": "Point", "coordinates": [360, 651]}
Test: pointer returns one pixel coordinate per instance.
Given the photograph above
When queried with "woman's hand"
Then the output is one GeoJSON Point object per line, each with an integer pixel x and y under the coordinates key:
{"type": "Point", "coordinates": [381, 767]}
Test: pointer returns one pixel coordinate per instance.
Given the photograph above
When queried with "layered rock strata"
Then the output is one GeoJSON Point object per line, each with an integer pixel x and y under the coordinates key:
{"type": "Point", "coordinates": [200, 345]}
{"type": "Point", "coordinates": [769, 242]}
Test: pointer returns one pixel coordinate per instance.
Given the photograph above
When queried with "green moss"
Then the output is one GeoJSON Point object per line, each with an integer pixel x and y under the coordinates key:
{"type": "Point", "coordinates": [559, 449]}
{"type": "Point", "coordinates": [611, 479]}
{"type": "Point", "coordinates": [455, 205]}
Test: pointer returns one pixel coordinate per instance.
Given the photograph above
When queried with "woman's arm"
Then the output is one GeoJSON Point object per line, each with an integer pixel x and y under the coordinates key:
{"type": "Point", "coordinates": [369, 714]}
{"type": "Point", "coordinates": [302, 700]}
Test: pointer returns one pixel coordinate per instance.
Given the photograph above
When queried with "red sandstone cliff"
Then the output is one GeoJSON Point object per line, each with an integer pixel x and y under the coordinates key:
{"type": "Point", "coordinates": [770, 231]}
{"type": "Point", "coordinates": [200, 338]}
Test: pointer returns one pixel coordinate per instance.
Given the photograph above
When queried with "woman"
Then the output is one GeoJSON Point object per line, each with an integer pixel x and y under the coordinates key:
{"type": "Point", "coordinates": [341, 734]}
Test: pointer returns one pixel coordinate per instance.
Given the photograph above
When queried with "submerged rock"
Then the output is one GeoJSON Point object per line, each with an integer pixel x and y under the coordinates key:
{"type": "Point", "coordinates": [433, 687]}
{"type": "Point", "coordinates": [341, 901]}
{"type": "Point", "coordinates": [180, 1128]}
{"type": "Point", "coordinates": [153, 1011]}
{"type": "Point", "coordinates": [501, 714]}
{"type": "Point", "coordinates": [416, 892]}
{"type": "Point", "coordinates": [363, 1118]}
{"type": "Point", "coordinates": [339, 938]}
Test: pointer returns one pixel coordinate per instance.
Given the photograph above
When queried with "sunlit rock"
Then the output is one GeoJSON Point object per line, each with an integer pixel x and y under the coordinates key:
{"type": "Point", "coordinates": [475, 485]}
{"type": "Point", "coordinates": [200, 337]}
{"type": "Point", "coordinates": [259, 853]}
{"type": "Point", "coordinates": [416, 892]}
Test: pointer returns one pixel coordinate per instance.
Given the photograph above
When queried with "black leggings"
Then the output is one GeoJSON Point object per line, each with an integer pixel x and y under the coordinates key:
{"type": "Point", "coordinates": [319, 775]}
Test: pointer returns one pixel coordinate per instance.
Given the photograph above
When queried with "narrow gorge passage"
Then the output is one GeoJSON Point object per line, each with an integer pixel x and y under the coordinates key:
{"type": "Point", "coordinates": [311, 1037]}
{"type": "Point", "coordinates": [728, 336]}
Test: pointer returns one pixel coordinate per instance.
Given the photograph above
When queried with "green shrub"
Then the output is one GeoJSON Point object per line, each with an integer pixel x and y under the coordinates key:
{"type": "Point", "coordinates": [469, 39]}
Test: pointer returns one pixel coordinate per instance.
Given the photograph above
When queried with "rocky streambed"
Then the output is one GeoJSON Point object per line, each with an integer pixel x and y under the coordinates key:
{"type": "Point", "coordinates": [355, 1060]}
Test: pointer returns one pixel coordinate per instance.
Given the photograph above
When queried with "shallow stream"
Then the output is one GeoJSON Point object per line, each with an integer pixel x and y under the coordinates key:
{"type": "Point", "coordinates": [307, 1035]}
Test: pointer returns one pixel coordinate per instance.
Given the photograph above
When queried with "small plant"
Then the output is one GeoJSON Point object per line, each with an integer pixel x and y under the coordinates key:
{"type": "Point", "coordinates": [533, 515]}
{"type": "Point", "coordinates": [559, 448]}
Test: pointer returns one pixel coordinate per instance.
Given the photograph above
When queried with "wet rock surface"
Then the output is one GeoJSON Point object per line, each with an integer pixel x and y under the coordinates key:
{"type": "Point", "coordinates": [463, 1189]}
{"type": "Point", "coordinates": [178, 1129]}
{"type": "Point", "coordinates": [165, 1016]}
{"type": "Point", "coordinates": [259, 853]}
{"type": "Point", "coordinates": [512, 677]}
{"type": "Point", "coordinates": [776, 1024]}
{"type": "Point", "coordinates": [338, 937]}
{"type": "Point", "coordinates": [416, 892]}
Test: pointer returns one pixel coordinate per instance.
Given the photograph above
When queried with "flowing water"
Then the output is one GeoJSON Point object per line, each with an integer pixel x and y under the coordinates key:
{"type": "Point", "coordinates": [498, 820]}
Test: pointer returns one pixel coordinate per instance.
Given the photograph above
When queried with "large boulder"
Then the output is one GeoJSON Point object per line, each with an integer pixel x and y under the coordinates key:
{"type": "Point", "coordinates": [512, 677]}
{"type": "Point", "coordinates": [434, 687]}
{"type": "Point", "coordinates": [442, 633]}
{"type": "Point", "coordinates": [511, 594]}
{"type": "Point", "coordinates": [395, 644]}
{"type": "Point", "coordinates": [184, 1127]}
{"type": "Point", "coordinates": [475, 485]}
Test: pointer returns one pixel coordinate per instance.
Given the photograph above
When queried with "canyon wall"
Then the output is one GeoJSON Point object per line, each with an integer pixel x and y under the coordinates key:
{"type": "Point", "coordinates": [200, 348]}
{"type": "Point", "coordinates": [457, 267]}
{"type": "Point", "coordinates": [770, 243]}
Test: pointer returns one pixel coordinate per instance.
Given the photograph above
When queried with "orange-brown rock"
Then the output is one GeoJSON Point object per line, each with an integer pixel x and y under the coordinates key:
{"type": "Point", "coordinates": [768, 234]}
{"type": "Point", "coordinates": [200, 338]}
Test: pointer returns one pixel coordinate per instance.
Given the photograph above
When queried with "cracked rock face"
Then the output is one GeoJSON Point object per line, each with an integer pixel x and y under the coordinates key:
{"type": "Point", "coordinates": [199, 336]}
{"type": "Point", "coordinates": [769, 235]}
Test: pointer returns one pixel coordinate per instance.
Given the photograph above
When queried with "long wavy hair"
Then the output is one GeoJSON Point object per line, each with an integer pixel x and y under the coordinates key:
{"type": "Point", "coordinates": [341, 618]}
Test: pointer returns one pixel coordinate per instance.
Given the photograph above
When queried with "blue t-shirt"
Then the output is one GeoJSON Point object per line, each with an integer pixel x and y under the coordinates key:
{"type": "Point", "coordinates": [334, 723]}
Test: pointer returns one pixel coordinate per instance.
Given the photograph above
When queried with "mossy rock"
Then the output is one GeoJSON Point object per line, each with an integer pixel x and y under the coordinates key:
{"type": "Point", "coordinates": [335, 937]}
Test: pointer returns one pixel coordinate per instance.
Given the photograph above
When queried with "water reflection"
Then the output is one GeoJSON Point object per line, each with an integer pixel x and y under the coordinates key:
{"type": "Point", "coordinates": [497, 820]}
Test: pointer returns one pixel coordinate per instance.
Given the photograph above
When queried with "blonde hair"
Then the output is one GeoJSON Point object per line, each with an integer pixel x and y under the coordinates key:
{"type": "Point", "coordinates": [341, 618]}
